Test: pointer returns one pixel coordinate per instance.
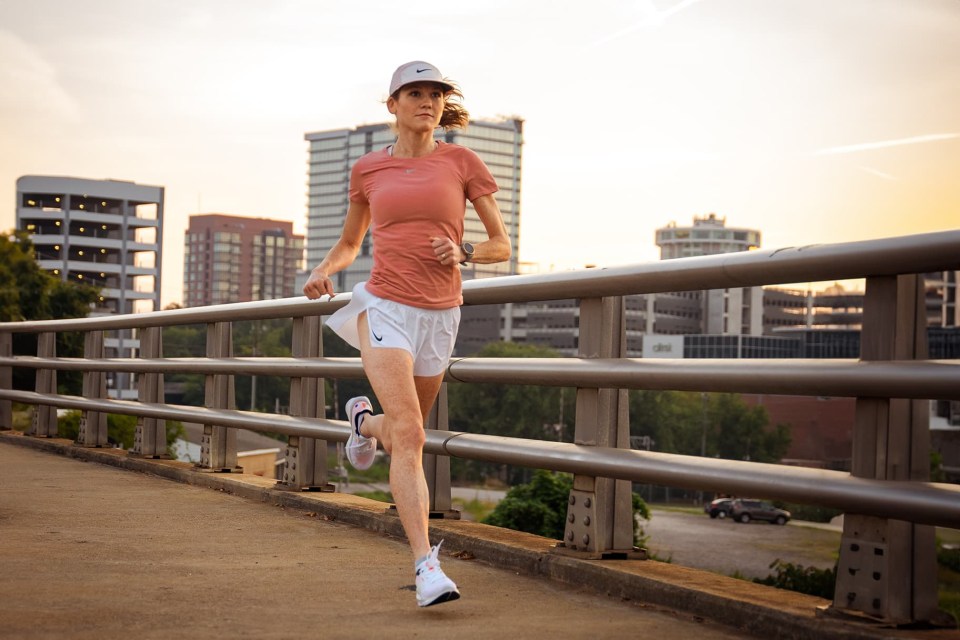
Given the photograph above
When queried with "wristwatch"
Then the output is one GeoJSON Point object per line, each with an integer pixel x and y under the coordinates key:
{"type": "Point", "coordinates": [467, 249]}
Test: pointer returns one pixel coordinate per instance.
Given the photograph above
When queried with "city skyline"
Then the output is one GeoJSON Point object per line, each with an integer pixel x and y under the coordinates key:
{"type": "Point", "coordinates": [811, 122]}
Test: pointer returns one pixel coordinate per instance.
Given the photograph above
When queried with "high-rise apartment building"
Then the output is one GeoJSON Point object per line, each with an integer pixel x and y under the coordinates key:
{"type": "Point", "coordinates": [107, 233]}
{"type": "Point", "coordinates": [235, 259]}
{"type": "Point", "coordinates": [332, 156]}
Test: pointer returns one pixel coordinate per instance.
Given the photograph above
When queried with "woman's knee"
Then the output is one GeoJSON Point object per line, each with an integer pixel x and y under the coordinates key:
{"type": "Point", "coordinates": [406, 432]}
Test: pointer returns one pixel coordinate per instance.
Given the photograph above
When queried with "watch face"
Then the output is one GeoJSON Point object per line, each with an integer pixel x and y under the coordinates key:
{"type": "Point", "coordinates": [467, 248]}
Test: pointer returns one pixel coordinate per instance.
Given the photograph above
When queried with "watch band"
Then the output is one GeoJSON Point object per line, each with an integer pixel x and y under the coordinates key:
{"type": "Point", "coordinates": [467, 249]}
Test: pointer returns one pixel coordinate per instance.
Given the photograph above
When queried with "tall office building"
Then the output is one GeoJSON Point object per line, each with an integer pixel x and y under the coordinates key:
{"type": "Point", "coordinates": [942, 299]}
{"type": "Point", "coordinates": [711, 314]}
{"type": "Point", "coordinates": [708, 236]}
{"type": "Point", "coordinates": [332, 156]}
{"type": "Point", "coordinates": [723, 311]}
{"type": "Point", "coordinates": [107, 233]}
{"type": "Point", "coordinates": [235, 259]}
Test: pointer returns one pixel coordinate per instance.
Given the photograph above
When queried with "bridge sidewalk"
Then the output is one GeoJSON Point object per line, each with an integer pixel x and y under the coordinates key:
{"type": "Point", "coordinates": [90, 551]}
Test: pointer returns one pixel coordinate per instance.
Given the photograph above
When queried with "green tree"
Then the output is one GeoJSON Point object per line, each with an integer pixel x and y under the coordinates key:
{"type": "Point", "coordinates": [716, 425]}
{"type": "Point", "coordinates": [540, 507]}
{"type": "Point", "coordinates": [186, 341]}
{"type": "Point", "coordinates": [272, 338]}
{"type": "Point", "coordinates": [27, 292]}
{"type": "Point", "coordinates": [796, 577]}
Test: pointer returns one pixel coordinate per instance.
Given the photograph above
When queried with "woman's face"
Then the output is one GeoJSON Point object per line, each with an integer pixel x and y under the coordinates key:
{"type": "Point", "coordinates": [418, 106]}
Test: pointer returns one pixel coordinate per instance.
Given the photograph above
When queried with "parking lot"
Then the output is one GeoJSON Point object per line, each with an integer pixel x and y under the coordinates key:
{"type": "Point", "coordinates": [727, 547]}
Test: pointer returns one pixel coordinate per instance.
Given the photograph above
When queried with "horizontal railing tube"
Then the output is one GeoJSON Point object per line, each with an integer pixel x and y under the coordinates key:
{"type": "Point", "coordinates": [257, 310]}
{"type": "Point", "coordinates": [259, 365]}
{"type": "Point", "coordinates": [927, 379]}
{"type": "Point", "coordinates": [921, 253]}
{"type": "Point", "coordinates": [918, 379]}
{"type": "Point", "coordinates": [921, 502]}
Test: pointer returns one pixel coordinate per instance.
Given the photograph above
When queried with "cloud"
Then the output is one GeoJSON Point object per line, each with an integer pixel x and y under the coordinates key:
{"type": "Point", "coordinates": [653, 17]}
{"type": "Point", "coordinates": [878, 173]}
{"type": "Point", "coordinates": [29, 85]}
{"type": "Point", "coordinates": [883, 144]}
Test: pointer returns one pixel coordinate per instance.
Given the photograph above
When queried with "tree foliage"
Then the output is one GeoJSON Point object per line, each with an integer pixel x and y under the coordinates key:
{"type": "Point", "coordinates": [719, 425]}
{"type": "Point", "coordinates": [796, 577]}
{"type": "Point", "coordinates": [27, 292]}
{"type": "Point", "coordinates": [540, 507]}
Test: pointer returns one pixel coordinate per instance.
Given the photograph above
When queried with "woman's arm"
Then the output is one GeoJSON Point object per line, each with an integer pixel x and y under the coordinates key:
{"type": "Point", "coordinates": [497, 247]}
{"type": "Point", "coordinates": [342, 254]}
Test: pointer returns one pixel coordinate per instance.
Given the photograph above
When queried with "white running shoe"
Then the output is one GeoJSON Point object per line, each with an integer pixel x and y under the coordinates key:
{"type": "Point", "coordinates": [433, 586]}
{"type": "Point", "coordinates": [361, 451]}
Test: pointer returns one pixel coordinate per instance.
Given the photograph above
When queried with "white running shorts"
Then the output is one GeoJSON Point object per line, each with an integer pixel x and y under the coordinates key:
{"type": "Point", "coordinates": [426, 334]}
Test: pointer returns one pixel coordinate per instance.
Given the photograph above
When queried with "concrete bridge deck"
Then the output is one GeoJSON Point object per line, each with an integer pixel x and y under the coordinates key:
{"type": "Point", "coordinates": [97, 551]}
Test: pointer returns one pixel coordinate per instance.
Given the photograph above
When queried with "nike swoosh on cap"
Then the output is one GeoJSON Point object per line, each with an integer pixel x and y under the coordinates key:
{"type": "Point", "coordinates": [422, 70]}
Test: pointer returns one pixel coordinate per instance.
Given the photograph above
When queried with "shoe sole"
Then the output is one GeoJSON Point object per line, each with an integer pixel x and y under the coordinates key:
{"type": "Point", "coordinates": [355, 464]}
{"type": "Point", "coordinates": [352, 439]}
{"type": "Point", "coordinates": [449, 596]}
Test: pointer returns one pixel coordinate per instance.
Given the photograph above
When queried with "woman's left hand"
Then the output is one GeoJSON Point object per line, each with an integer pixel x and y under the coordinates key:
{"type": "Point", "coordinates": [446, 250]}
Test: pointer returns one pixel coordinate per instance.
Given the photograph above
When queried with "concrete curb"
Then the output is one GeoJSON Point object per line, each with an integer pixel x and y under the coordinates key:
{"type": "Point", "coordinates": [752, 608]}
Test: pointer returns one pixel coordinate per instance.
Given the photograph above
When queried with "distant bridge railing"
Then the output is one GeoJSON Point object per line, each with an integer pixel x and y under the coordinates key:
{"type": "Point", "coordinates": [887, 566]}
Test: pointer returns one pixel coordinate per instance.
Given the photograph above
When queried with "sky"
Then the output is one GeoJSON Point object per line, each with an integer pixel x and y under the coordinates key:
{"type": "Point", "coordinates": [813, 121]}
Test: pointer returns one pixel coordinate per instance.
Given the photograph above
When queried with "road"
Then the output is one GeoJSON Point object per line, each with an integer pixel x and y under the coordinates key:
{"type": "Point", "coordinates": [95, 552]}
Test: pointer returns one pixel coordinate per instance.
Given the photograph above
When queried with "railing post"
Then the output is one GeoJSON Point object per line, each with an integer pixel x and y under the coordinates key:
{"type": "Point", "coordinates": [600, 510]}
{"type": "Point", "coordinates": [218, 445]}
{"type": "Point", "coordinates": [305, 459]}
{"type": "Point", "coordinates": [436, 468]}
{"type": "Point", "coordinates": [93, 424]}
{"type": "Point", "coordinates": [45, 416]}
{"type": "Point", "coordinates": [6, 381]}
{"type": "Point", "coordinates": [151, 437]}
{"type": "Point", "coordinates": [887, 568]}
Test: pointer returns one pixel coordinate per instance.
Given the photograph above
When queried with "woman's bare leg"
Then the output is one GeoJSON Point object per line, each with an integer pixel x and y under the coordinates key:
{"type": "Point", "coordinates": [405, 400]}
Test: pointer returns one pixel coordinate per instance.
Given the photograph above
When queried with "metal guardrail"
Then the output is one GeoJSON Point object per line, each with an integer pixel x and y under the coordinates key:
{"type": "Point", "coordinates": [891, 436]}
{"type": "Point", "coordinates": [931, 379]}
{"type": "Point", "coordinates": [920, 253]}
{"type": "Point", "coordinates": [927, 503]}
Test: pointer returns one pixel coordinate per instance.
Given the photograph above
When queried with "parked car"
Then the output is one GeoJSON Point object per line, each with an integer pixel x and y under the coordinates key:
{"type": "Point", "coordinates": [719, 508]}
{"type": "Point", "coordinates": [742, 510]}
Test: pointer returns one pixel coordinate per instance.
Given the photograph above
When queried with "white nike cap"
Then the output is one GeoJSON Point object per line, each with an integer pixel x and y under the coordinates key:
{"type": "Point", "coordinates": [417, 71]}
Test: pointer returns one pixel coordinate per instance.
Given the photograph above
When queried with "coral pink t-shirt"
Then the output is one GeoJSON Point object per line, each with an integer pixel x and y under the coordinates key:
{"type": "Point", "coordinates": [412, 200]}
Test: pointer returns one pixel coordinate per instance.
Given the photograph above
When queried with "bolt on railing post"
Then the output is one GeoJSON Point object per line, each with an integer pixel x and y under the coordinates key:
{"type": "Point", "coordinates": [887, 568]}
{"type": "Point", "coordinates": [93, 424]}
{"type": "Point", "coordinates": [600, 510]}
{"type": "Point", "coordinates": [45, 416]}
{"type": "Point", "coordinates": [6, 381]}
{"type": "Point", "coordinates": [218, 445]}
{"type": "Point", "coordinates": [151, 436]}
{"type": "Point", "coordinates": [305, 459]}
{"type": "Point", "coordinates": [436, 468]}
